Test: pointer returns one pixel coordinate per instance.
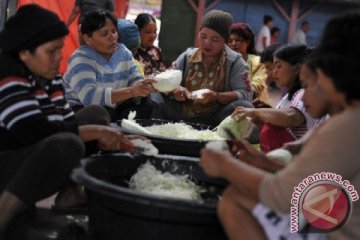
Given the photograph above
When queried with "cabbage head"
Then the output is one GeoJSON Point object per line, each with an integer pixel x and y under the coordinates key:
{"type": "Point", "coordinates": [242, 129]}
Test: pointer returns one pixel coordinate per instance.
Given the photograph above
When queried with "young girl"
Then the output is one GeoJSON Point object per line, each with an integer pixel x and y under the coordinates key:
{"type": "Point", "coordinates": [289, 120]}
{"type": "Point", "coordinates": [148, 55]}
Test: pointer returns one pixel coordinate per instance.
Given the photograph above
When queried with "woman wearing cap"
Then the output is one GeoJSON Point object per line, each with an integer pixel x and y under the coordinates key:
{"type": "Point", "coordinates": [242, 40]}
{"type": "Point", "coordinates": [103, 72]}
{"type": "Point", "coordinates": [148, 55]}
{"type": "Point", "coordinates": [212, 66]}
{"type": "Point", "coordinates": [252, 189]}
{"type": "Point", "coordinates": [40, 139]}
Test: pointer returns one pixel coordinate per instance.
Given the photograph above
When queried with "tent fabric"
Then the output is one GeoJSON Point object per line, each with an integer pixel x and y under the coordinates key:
{"type": "Point", "coordinates": [63, 9]}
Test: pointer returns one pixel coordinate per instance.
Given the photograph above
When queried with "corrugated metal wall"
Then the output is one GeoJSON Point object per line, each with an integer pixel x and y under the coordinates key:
{"type": "Point", "coordinates": [178, 20]}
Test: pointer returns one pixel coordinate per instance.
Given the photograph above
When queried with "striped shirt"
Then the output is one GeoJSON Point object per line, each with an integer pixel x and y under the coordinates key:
{"type": "Point", "coordinates": [31, 109]}
{"type": "Point", "coordinates": [90, 78]}
{"type": "Point", "coordinates": [298, 104]}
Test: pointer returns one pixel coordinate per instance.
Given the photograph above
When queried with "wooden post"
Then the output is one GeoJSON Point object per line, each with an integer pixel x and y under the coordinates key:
{"type": "Point", "coordinates": [200, 10]}
{"type": "Point", "coordinates": [294, 15]}
{"type": "Point", "coordinates": [293, 18]}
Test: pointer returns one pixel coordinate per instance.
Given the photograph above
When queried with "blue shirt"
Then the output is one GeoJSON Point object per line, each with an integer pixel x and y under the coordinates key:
{"type": "Point", "coordinates": [90, 78]}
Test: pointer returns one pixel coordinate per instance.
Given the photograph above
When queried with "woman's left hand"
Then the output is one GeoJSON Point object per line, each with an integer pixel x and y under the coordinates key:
{"type": "Point", "coordinates": [240, 113]}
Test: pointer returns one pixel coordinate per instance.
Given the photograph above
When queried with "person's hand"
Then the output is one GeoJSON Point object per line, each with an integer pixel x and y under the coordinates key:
{"type": "Point", "coordinates": [142, 88]}
{"type": "Point", "coordinates": [181, 94]}
{"type": "Point", "coordinates": [212, 161]}
{"type": "Point", "coordinates": [207, 97]}
{"type": "Point", "coordinates": [260, 104]}
{"type": "Point", "coordinates": [240, 113]}
{"type": "Point", "coordinates": [243, 151]}
{"type": "Point", "coordinates": [150, 80]}
{"type": "Point", "coordinates": [247, 153]}
{"type": "Point", "coordinates": [112, 139]}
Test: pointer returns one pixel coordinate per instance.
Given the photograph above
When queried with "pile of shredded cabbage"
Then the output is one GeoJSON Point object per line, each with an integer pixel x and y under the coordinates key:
{"type": "Point", "coordinates": [150, 180]}
{"type": "Point", "coordinates": [173, 130]}
{"type": "Point", "coordinates": [182, 130]}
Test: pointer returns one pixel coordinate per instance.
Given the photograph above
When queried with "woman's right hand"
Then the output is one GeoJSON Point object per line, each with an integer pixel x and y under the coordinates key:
{"type": "Point", "coordinates": [112, 139]}
{"type": "Point", "coordinates": [181, 94]}
{"type": "Point", "coordinates": [142, 88]}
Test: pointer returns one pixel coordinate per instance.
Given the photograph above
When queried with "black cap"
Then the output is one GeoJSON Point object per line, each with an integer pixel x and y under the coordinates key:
{"type": "Point", "coordinates": [218, 21]}
{"type": "Point", "coordinates": [30, 27]}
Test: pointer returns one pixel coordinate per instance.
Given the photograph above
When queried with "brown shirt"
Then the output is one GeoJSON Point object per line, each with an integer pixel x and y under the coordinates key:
{"type": "Point", "coordinates": [200, 77]}
{"type": "Point", "coordinates": [334, 147]}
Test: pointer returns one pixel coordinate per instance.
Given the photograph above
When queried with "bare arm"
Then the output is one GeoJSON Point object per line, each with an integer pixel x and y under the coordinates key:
{"type": "Point", "coordinates": [286, 117]}
{"type": "Point", "coordinates": [263, 42]}
{"type": "Point", "coordinates": [140, 89]}
{"type": "Point", "coordinates": [244, 177]}
{"type": "Point", "coordinates": [108, 138]}
{"type": "Point", "coordinates": [75, 11]}
{"type": "Point", "coordinates": [227, 97]}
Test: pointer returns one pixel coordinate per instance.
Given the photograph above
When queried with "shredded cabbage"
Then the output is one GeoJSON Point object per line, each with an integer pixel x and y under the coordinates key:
{"type": "Point", "coordinates": [182, 130]}
{"type": "Point", "coordinates": [145, 147]}
{"type": "Point", "coordinates": [150, 180]}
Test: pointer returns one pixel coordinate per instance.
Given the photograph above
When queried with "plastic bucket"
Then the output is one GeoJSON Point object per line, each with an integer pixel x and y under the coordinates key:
{"type": "Point", "coordinates": [117, 212]}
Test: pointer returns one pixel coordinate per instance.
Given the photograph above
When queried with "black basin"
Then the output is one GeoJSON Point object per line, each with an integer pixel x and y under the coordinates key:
{"type": "Point", "coordinates": [182, 147]}
{"type": "Point", "coordinates": [117, 212]}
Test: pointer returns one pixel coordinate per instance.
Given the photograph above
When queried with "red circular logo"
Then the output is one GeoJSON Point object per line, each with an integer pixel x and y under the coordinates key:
{"type": "Point", "coordinates": [326, 206]}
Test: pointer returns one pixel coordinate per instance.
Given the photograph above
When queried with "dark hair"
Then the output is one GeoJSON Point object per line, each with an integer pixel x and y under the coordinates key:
{"type": "Point", "coordinates": [304, 23]}
{"type": "Point", "coordinates": [245, 31]}
{"type": "Point", "coordinates": [340, 51]}
{"type": "Point", "coordinates": [267, 18]}
{"type": "Point", "coordinates": [293, 54]}
{"type": "Point", "coordinates": [312, 61]}
{"type": "Point", "coordinates": [94, 20]}
{"type": "Point", "coordinates": [274, 30]}
{"type": "Point", "coordinates": [142, 19]}
{"type": "Point", "coordinates": [268, 54]}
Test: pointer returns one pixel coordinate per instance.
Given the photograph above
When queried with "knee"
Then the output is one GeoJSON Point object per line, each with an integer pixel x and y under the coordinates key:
{"type": "Point", "coordinates": [226, 203]}
{"type": "Point", "coordinates": [67, 149]}
{"type": "Point", "coordinates": [232, 199]}
{"type": "Point", "coordinates": [94, 114]}
{"type": "Point", "coordinates": [241, 103]}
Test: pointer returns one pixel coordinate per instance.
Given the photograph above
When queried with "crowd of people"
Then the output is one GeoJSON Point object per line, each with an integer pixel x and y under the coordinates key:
{"type": "Point", "coordinates": [111, 74]}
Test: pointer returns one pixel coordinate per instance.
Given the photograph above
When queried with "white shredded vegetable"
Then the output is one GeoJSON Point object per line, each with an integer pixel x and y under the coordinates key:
{"type": "Point", "coordinates": [182, 130]}
{"type": "Point", "coordinates": [145, 147]}
{"type": "Point", "coordinates": [150, 180]}
{"type": "Point", "coordinates": [171, 130]}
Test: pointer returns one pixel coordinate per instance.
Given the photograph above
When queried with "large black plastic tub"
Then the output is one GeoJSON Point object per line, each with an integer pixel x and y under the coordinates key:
{"type": "Point", "coordinates": [117, 212]}
{"type": "Point", "coordinates": [182, 147]}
